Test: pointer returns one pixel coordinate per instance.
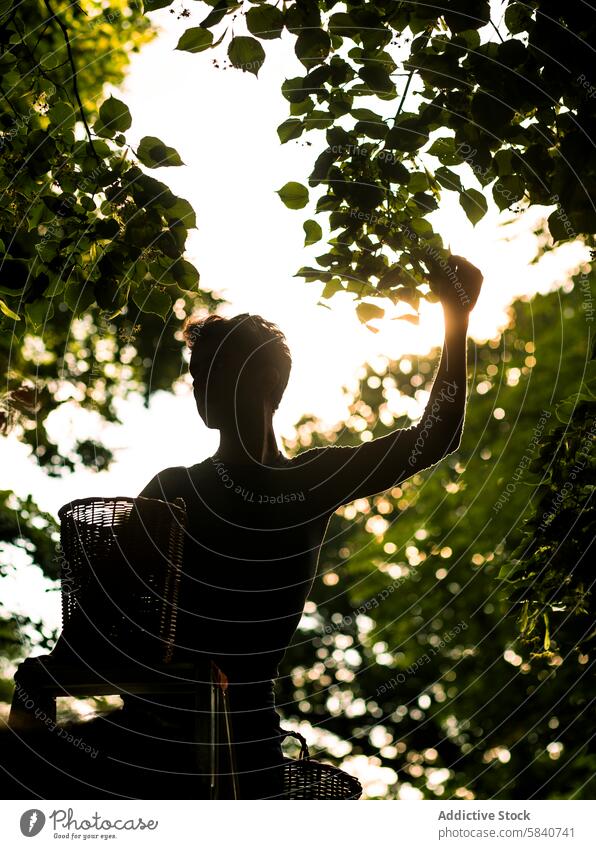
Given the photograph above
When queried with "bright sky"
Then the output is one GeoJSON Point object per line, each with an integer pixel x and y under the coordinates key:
{"type": "Point", "coordinates": [248, 246]}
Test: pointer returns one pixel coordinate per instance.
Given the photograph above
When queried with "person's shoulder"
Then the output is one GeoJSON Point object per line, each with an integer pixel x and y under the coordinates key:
{"type": "Point", "coordinates": [164, 482]}
{"type": "Point", "coordinates": [172, 472]}
{"type": "Point", "coordinates": [176, 471]}
{"type": "Point", "coordinates": [184, 474]}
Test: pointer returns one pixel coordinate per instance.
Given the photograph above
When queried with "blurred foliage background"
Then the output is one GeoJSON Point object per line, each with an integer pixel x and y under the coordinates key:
{"type": "Point", "coordinates": [454, 640]}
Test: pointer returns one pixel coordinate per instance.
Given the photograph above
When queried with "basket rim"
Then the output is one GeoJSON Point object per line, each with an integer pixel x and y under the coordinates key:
{"type": "Point", "coordinates": [302, 763]}
{"type": "Point", "coordinates": [318, 765]}
{"type": "Point", "coordinates": [107, 499]}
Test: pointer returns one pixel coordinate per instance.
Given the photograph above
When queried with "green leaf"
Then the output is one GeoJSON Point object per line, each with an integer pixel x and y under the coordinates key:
{"type": "Point", "coordinates": [318, 120]}
{"type": "Point", "coordinates": [147, 191]}
{"type": "Point", "coordinates": [246, 53]}
{"type": "Point", "coordinates": [445, 151]}
{"type": "Point", "coordinates": [143, 229]}
{"type": "Point", "coordinates": [186, 275]}
{"type": "Point", "coordinates": [182, 211]}
{"type": "Point", "coordinates": [418, 182]}
{"type": "Point", "coordinates": [39, 312]}
{"type": "Point", "coordinates": [114, 116]}
{"type": "Point", "coordinates": [149, 298]}
{"type": "Point", "coordinates": [311, 274]}
{"type": "Point", "coordinates": [546, 632]}
{"type": "Point", "coordinates": [467, 14]}
{"type": "Point", "coordinates": [56, 287]}
{"type": "Point", "coordinates": [8, 312]}
{"type": "Point", "coordinates": [372, 130]}
{"type": "Point", "coordinates": [195, 40]}
{"type": "Point", "coordinates": [367, 312]}
{"type": "Point", "coordinates": [390, 167]}
{"type": "Point", "coordinates": [294, 195]}
{"type": "Point", "coordinates": [421, 226]}
{"type": "Point", "coordinates": [448, 179]}
{"type": "Point", "coordinates": [152, 5]}
{"type": "Point", "coordinates": [88, 203]}
{"type": "Point", "coordinates": [474, 204]}
{"type": "Point", "coordinates": [265, 21]}
{"type": "Point", "coordinates": [47, 249]}
{"type": "Point", "coordinates": [364, 196]}
{"type": "Point", "coordinates": [62, 115]}
{"type": "Point", "coordinates": [304, 107]}
{"type": "Point", "coordinates": [394, 276]}
{"type": "Point", "coordinates": [290, 129]}
{"type": "Point", "coordinates": [558, 224]}
{"type": "Point", "coordinates": [377, 79]}
{"type": "Point", "coordinates": [503, 162]}
{"type": "Point", "coordinates": [518, 17]}
{"type": "Point", "coordinates": [295, 90]}
{"type": "Point", "coordinates": [490, 113]}
{"type": "Point", "coordinates": [508, 190]}
{"type": "Point", "coordinates": [330, 288]}
{"type": "Point", "coordinates": [313, 232]}
{"type": "Point", "coordinates": [221, 8]}
{"type": "Point", "coordinates": [344, 25]}
{"type": "Point", "coordinates": [312, 47]}
{"type": "Point", "coordinates": [408, 135]}
{"type": "Point", "coordinates": [105, 228]}
{"type": "Point", "coordinates": [78, 296]}
{"type": "Point", "coordinates": [412, 319]}
{"type": "Point", "coordinates": [153, 153]}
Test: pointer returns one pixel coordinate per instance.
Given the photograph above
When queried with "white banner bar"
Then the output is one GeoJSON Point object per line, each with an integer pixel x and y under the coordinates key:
{"type": "Point", "coordinates": [181, 824]}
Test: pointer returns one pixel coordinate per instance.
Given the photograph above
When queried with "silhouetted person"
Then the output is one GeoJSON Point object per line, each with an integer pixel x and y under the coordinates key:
{"type": "Point", "coordinates": [256, 519]}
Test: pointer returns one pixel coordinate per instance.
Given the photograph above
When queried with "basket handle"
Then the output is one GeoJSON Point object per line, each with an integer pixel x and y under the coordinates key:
{"type": "Point", "coordinates": [304, 753]}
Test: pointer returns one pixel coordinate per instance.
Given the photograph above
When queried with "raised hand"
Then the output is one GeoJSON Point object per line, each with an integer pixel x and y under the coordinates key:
{"type": "Point", "coordinates": [456, 282]}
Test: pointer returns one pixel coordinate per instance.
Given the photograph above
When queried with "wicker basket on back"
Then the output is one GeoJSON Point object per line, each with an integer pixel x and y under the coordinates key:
{"type": "Point", "coordinates": [121, 566]}
{"type": "Point", "coordinates": [308, 779]}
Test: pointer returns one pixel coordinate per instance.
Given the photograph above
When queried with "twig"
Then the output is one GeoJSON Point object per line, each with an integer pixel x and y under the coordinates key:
{"type": "Point", "coordinates": [408, 82]}
{"type": "Point", "coordinates": [74, 75]}
{"type": "Point", "coordinates": [496, 29]}
{"type": "Point", "coordinates": [41, 35]}
{"type": "Point", "coordinates": [403, 97]}
{"type": "Point", "coordinates": [37, 64]}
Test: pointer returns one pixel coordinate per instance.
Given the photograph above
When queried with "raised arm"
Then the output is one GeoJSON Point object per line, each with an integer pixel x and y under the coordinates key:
{"type": "Point", "coordinates": [342, 474]}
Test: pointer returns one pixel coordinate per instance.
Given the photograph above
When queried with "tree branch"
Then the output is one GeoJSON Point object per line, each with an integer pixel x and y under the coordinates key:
{"type": "Point", "coordinates": [403, 97]}
{"type": "Point", "coordinates": [496, 29]}
{"type": "Point", "coordinates": [408, 82]}
{"type": "Point", "coordinates": [75, 86]}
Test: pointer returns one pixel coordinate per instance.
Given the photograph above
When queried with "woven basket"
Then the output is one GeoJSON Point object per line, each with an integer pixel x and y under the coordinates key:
{"type": "Point", "coordinates": [308, 779]}
{"type": "Point", "coordinates": [121, 566]}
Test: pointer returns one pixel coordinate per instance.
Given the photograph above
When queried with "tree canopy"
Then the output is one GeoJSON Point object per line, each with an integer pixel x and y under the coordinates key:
{"type": "Point", "coordinates": [404, 93]}
{"type": "Point", "coordinates": [92, 246]}
{"type": "Point", "coordinates": [403, 101]}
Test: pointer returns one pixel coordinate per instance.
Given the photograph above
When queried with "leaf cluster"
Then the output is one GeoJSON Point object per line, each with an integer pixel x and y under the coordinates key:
{"type": "Point", "coordinates": [403, 94]}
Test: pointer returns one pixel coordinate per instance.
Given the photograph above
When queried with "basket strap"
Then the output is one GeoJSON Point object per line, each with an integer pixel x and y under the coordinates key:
{"type": "Point", "coordinates": [304, 753]}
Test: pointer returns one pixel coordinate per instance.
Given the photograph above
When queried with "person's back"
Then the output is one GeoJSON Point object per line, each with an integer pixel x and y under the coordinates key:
{"type": "Point", "coordinates": [256, 519]}
{"type": "Point", "coordinates": [251, 552]}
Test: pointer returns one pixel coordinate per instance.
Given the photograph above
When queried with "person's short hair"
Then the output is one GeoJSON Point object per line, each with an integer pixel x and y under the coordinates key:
{"type": "Point", "coordinates": [251, 336]}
